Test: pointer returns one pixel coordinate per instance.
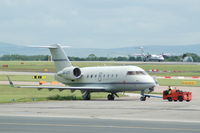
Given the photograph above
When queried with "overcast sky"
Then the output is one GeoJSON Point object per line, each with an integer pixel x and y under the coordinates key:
{"type": "Point", "coordinates": [100, 23]}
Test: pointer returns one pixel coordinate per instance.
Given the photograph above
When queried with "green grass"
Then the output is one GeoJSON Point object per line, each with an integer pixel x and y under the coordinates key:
{"type": "Point", "coordinates": [9, 94]}
{"type": "Point", "coordinates": [171, 67]}
{"type": "Point", "coordinates": [176, 82]}
{"type": "Point", "coordinates": [186, 74]}
{"type": "Point", "coordinates": [49, 78]}
{"type": "Point", "coordinates": [40, 66]}
{"type": "Point", "coordinates": [27, 66]}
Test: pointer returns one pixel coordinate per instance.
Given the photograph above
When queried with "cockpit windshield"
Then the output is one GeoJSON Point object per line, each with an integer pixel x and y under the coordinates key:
{"type": "Point", "coordinates": [136, 73]}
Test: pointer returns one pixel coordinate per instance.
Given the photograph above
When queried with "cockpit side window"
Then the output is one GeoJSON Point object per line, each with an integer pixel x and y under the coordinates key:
{"type": "Point", "coordinates": [136, 73]}
{"type": "Point", "coordinates": [131, 73]}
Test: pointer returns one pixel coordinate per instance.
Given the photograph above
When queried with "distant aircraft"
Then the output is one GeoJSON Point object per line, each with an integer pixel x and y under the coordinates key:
{"type": "Point", "coordinates": [111, 79]}
{"type": "Point", "coordinates": [150, 57]}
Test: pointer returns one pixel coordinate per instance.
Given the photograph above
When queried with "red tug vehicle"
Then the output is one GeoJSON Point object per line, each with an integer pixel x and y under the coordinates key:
{"type": "Point", "coordinates": [177, 95]}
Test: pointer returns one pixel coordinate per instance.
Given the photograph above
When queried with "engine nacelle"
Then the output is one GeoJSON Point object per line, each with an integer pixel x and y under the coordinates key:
{"type": "Point", "coordinates": [70, 73]}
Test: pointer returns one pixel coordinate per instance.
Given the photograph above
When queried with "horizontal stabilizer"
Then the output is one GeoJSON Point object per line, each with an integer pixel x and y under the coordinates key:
{"type": "Point", "coordinates": [49, 46]}
{"type": "Point", "coordinates": [58, 56]}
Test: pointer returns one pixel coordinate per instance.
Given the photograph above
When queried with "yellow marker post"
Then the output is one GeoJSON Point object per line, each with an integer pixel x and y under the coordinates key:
{"type": "Point", "coordinates": [39, 77]}
{"type": "Point", "coordinates": [189, 82]}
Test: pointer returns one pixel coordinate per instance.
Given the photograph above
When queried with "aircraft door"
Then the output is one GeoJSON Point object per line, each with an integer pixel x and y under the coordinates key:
{"type": "Point", "coordinates": [100, 76]}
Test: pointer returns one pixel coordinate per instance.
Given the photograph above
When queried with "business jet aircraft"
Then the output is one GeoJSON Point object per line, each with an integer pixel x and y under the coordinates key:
{"type": "Point", "coordinates": [150, 57]}
{"type": "Point", "coordinates": [111, 79]}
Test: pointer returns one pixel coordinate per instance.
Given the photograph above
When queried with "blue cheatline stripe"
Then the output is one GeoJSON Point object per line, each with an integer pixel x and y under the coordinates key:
{"type": "Point", "coordinates": [60, 60]}
{"type": "Point", "coordinates": [113, 83]}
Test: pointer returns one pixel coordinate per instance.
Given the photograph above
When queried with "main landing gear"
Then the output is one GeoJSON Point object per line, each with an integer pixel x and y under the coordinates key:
{"type": "Point", "coordinates": [112, 96]}
{"type": "Point", "coordinates": [86, 95]}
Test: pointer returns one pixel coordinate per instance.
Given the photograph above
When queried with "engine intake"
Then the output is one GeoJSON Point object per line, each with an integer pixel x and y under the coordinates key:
{"type": "Point", "coordinates": [77, 72]}
{"type": "Point", "coordinates": [70, 73]}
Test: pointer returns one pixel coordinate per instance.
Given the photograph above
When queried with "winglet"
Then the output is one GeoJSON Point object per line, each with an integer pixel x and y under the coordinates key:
{"type": "Point", "coordinates": [10, 82]}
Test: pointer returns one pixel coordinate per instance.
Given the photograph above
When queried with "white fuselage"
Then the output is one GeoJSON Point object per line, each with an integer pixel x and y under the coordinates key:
{"type": "Point", "coordinates": [155, 57]}
{"type": "Point", "coordinates": [115, 78]}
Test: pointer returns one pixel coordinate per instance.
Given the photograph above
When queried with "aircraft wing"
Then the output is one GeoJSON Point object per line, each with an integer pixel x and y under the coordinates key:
{"type": "Point", "coordinates": [64, 88]}
{"type": "Point", "coordinates": [39, 87]}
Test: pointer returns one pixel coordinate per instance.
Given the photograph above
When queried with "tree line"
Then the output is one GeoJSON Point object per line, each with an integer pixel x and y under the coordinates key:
{"type": "Point", "coordinates": [93, 57]}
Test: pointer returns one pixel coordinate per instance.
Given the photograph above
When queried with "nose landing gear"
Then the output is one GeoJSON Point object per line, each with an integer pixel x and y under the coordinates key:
{"type": "Point", "coordinates": [143, 96]}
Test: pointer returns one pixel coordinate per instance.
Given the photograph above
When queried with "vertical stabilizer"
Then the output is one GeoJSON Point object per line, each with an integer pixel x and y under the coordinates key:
{"type": "Point", "coordinates": [59, 57]}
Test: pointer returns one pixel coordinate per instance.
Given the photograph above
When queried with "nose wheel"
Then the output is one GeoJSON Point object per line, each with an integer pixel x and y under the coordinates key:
{"type": "Point", "coordinates": [143, 98]}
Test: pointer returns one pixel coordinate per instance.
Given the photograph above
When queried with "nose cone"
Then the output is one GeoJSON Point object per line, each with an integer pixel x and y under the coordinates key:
{"type": "Point", "coordinates": [152, 81]}
{"type": "Point", "coordinates": [149, 81]}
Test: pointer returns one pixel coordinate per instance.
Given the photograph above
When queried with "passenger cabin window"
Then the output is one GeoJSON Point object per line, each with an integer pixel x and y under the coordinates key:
{"type": "Point", "coordinates": [136, 73]}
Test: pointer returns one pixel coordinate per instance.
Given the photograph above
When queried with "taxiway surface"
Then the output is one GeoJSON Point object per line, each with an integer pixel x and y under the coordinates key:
{"type": "Point", "coordinates": [126, 108]}
{"type": "Point", "coordinates": [126, 114]}
{"type": "Point", "coordinates": [72, 125]}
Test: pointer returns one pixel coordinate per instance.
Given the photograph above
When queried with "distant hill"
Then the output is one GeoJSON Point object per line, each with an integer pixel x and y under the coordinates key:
{"type": "Point", "coordinates": [7, 48]}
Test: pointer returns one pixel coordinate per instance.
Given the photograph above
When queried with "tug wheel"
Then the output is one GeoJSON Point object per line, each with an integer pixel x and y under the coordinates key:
{"type": "Point", "coordinates": [180, 98]}
{"type": "Point", "coordinates": [169, 99]}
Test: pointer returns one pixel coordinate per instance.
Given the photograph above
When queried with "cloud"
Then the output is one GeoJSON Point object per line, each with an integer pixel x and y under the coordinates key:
{"type": "Point", "coordinates": [105, 23]}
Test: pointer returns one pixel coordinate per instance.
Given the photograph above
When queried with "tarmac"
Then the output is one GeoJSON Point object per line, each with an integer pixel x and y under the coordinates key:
{"type": "Point", "coordinates": [125, 114]}
{"type": "Point", "coordinates": [18, 124]}
{"type": "Point", "coordinates": [125, 108]}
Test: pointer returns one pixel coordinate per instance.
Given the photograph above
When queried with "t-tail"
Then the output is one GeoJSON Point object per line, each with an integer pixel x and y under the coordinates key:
{"type": "Point", "coordinates": [59, 57]}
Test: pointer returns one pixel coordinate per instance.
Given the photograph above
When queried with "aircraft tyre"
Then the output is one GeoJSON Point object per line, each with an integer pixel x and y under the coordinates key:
{"type": "Point", "coordinates": [169, 99]}
{"type": "Point", "coordinates": [111, 97]}
{"type": "Point", "coordinates": [180, 98]}
{"type": "Point", "coordinates": [142, 98]}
